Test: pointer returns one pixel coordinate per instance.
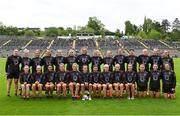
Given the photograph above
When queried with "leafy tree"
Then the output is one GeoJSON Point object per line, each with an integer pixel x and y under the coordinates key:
{"type": "Point", "coordinates": [29, 33]}
{"type": "Point", "coordinates": [129, 28]}
{"type": "Point", "coordinates": [142, 34]}
{"type": "Point", "coordinates": [153, 34]}
{"type": "Point", "coordinates": [95, 24]}
{"type": "Point", "coordinates": [165, 25]}
{"type": "Point", "coordinates": [117, 33]}
{"type": "Point", "coordinates": [51, 32]}
{"type": "Point", "coordinates": [176, 24]}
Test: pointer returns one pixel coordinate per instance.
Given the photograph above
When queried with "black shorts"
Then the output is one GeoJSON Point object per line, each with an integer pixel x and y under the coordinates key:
{"type": "Point", "coordinates": [156, 89]}
{"type": "Point", "coordinates": [142, 88]}
{"type": "Point", "coordinates": [168, 90]}
{"type": "Point", "coordinates": [13, 76]}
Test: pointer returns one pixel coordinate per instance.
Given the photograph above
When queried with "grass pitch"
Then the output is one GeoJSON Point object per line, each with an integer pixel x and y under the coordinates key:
{"type": "Point", "coordinates": [142, 106]}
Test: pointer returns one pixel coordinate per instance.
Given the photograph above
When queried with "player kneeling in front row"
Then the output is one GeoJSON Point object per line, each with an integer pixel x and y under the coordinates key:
{"type": "Point", "coordinates": [142, 81]}
{"type": "Point", "coordinates": [130, 79]}
{"type": "Point", "coordinates": [118, 80]}
{"type": "Point", "coordinates": [86, 81]}
{"type": "Point", "coordinates": [49, 77]}
{"type": "Point", "coordinates": [75, 80]}
{"type": "Point", "coordinates": [96, 79]}
{"type": "Point", "coordinates": [155, 76]}
{"type": "Point", "coordinates": [37, 83]}
{"type": "Point", "coordinates": [169, 82]}
{"type": "Point", "coordinates": [106, 77]}
{"type": "Point", "coordinates": [61, 80]}
{"type": "Point", "coordinates": [25, 81]}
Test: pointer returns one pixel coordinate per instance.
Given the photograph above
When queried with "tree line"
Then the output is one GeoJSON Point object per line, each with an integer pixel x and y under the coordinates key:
{"type": "Point", "coordinates": [150, 29]}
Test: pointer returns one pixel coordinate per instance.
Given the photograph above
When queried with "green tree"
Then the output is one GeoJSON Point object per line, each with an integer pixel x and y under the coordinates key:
{"type": "Point", "coordinates": [165, 25]}
{"type": "Point", "coordinates": [153, 34]}
{"type": "Point", "coordinates": [51, 32]}
{"type": "Point", "coordinates": [117, 33]}
{"type": "Point", "coordinates": [175, 35]}
{"type": "Point", "coordinates": [95, 24]}
{"type": "Point", "coordinates": [148, 25]}
{"type": "Point", "coordinates": [29, 33]}
{"type": "Point", "coordinates": [176, 24]}
{"type": "Point", "coordinates": [142, 34]}
{"type": "Point", "coordinates": [129, 28]}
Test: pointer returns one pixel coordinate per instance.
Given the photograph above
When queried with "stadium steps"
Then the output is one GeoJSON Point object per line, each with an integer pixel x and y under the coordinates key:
{"type": "Point", "coordinates": [120, 44]}
{"type": "Point", "coordinates": [27, 44]}
{"type": "Point", "coordinates": [143, 44]}
{"type": "Point", "coordinates": [97, 45]}
{"type": "Point", "coordinates": [49, 46]}
{"type": "Point", "coordinates": [165, 44]}
{"type": "Point", "coordinates": [126, 51]}
{"type": "Point", "coordinates": [74, 44]}
{"type": "Point", "coordinates": [6, 42]}
{"type": "Point", "coordinates": [51, 43]}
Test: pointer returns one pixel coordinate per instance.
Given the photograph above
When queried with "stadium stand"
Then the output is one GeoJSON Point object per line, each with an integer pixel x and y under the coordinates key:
{"type": "Point", "coordinates": [89, 43]}
{"type": "Point", "coordinates": [8, 43]}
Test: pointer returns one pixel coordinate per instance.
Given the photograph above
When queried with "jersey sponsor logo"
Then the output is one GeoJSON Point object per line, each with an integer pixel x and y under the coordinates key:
{"type": "Point", "coordinates": [155, 77]}
{"type": "Point", "coordinates": [59, 60]}
{"type": "Point", "coordinates": [145, 59]}
{"type": "Point", "coordinates": [130, 76]}
{"type": "Point", "coordinates": [48, 61]}
{"type": "Point", "coordinates": [166, 77]}
{"type": "Point", "coordinates": [39, 78]}
{"type": "Point", "coordinates": [71, 60]}
{"type": "Point", "coordinates": [155, 60]}
{"type": "Point", "coordinates": [37, 61]}
{"type": "Point", "coordinates": [61, 76]}
{"type": "Point", "coordinates": [132, 60]}
{"type": "Point", "coordinates": [117, 77]}
{"type": "Point", "coordinates": [142, 77]}
{"type": "Point", "coordinates": [120, 61]}
{"type": "Point", "coordinates": [84, 59]}
{"type": "Point", "coordinates": [51, 77]}
{"type": "Point", "coordinates": [26, 62]}
{"type": "Point", "coordinates": [95, 79]}
{"type": "Point", "coordinates": [75, 77]}
{"type": "Point", "coordinates": [107, 76]}
{"type": "Point", "coordinates": [15, 61]}
{"type": "Point", "coordinates": [26, 77]}
{"type": "Point", "coordinates": [96, 61]}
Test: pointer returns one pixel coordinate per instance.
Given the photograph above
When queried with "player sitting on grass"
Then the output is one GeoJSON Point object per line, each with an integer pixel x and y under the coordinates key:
{"type": "Point", "coordinates": [118, 80]}
{"type": "Point", "coordinates": [169, 82]}
{"type": "Point", "coordinates": [106, 77]}
{"type": "Point", "coordinates": [61, 80]}
{"type": "Point", "coordinates": [25, 81]}
{"type": "Point", "coordinates": [86, 81]}
{"type": "Point", "coordinates": [130, 79]}
{"type": "Point", "coordinates": [75, 80]}
{"type": "Point", "coordinates": [37, 82]}
{"type": "Point", "coordinates": [95, 75]}
{"type": "Point", "coordinates": [49, 77]}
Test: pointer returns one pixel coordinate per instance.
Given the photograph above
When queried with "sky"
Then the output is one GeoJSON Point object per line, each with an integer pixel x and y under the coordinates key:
{"type": "Point", "coordinates": [68, 13]}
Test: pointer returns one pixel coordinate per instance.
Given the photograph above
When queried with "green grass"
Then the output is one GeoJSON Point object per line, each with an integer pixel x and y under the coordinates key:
{"type": "Point", "coordinates": [144, 106]}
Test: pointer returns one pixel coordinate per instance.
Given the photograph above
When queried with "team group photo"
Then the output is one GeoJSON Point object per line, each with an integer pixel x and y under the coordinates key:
{"type": "Point", "coordinates": [74, 74]}
{"type": "Point", "coordinates": [89, 57]}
